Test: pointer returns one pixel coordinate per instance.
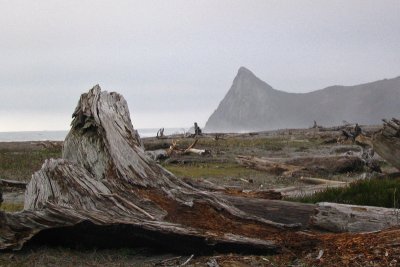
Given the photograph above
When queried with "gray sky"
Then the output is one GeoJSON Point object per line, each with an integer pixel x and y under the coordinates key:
{"type": "Point", "coordinates": [175, 60]}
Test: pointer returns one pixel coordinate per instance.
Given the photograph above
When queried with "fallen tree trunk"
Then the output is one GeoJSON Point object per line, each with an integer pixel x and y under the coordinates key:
{"type": "Point", "coordinates": [306, 190]}
{"type": "Point", "coordinates": [13, 183]}
{"type": "Point", "coordinates": [105, 179]}
{"type": "Point", "coordinates": [386, 142]}
{"type": "Point", "coordinates": [319, 181]}
{"type": "Point", "coordinates": [351, 218]}
{"type": "Point", "coordinates": [304, 165]}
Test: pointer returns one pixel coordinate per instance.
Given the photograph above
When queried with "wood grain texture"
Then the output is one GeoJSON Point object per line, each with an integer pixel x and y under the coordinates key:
{"type": "Point", "coordinates": [106, 178]}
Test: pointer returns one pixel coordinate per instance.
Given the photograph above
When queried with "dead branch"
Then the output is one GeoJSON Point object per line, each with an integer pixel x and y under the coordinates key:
{"type": "Point", "coordinates": [13, 183]}
{"type": "Point", "coordinates": [319, 181]}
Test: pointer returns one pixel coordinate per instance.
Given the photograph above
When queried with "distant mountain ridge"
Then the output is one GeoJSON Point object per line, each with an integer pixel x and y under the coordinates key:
{"type": "Point", "coordinates": [253, 105]}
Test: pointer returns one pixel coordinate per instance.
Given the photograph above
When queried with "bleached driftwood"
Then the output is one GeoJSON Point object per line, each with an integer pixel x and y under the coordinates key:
{"type": "Point", "coordinates": [306, 190]}
{"type": "Point", "coordinates": [209, 186]}
{"type": "Point", "coordinates": [319, 181]}
{"type": "Point", "coordinates": [105, 179]}
{"type": "Point", "coordinates": [266, 164]}
{"type": "Point", "coordinates": [304, 165]}
{"type": "Point", "coordinates": [387, 142]}
{"type": "Point", "coordinates": [196, 151]}
{"type": "Point", "coordinates": [351, 218]}
{"type": "Point", "coordinates": [13, 183]}
{"type": "Point", "coordinates": [174, 150]}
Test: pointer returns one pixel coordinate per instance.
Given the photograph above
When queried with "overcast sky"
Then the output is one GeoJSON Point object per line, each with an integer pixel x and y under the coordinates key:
{"type": "Point", "coordinates": [175, 60]}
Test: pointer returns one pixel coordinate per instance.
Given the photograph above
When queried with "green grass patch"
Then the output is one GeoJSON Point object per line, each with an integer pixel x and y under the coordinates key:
{"type": "Point", "coordinates": [11, 207]}
{"type": "Point", "coordinates": [20, 165]}
{"type": "Point", "coordinates": [214, 170]}
{"type": "Point", "coordinates": [370, 192]}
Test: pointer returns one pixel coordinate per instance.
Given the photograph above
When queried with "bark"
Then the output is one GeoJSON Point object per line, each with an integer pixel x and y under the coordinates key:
{"type": "Point", "coordinates": [350, 218]}
{"type": "Point", "coordinates": [304, 165]}
{"type": "Point", "coordinates": [386, 142]}
{"type": "Point", "coordinates": [106, 180]}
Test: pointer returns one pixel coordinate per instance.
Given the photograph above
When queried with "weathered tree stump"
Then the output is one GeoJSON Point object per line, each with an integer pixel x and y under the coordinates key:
{"type": "Point", "coordinates": [105, 179]}
{"type": "Point", "coordinates": [105, 185]}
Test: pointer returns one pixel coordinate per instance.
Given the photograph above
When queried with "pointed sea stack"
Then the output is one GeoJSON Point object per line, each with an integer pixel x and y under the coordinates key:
{"type": "Point", "coordinates": [253, 105]}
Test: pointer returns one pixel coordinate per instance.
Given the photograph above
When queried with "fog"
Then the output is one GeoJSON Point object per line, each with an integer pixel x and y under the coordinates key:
{"type": "Point", "coordinates": [174, 60]}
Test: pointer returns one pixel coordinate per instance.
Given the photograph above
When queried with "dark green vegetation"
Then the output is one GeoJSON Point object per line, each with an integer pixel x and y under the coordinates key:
{"type": "Point", "coordinates": [383, 192]}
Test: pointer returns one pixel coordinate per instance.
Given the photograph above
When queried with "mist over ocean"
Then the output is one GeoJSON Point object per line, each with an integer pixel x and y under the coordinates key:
{"type": "Point", "coordinates": [60, 135]}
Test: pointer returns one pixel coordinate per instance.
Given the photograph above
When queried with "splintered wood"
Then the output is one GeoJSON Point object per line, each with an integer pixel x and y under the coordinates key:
{"type": "Point", "coordinates": [105, 178]}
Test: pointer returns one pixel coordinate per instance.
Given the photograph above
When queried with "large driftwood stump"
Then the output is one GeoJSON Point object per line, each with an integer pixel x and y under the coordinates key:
{"type": "Point", "coordinates": [106, 180]}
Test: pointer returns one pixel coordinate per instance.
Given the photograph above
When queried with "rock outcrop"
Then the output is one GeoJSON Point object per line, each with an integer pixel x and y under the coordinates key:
{"type": "Point", "coordinates": [253, 105]}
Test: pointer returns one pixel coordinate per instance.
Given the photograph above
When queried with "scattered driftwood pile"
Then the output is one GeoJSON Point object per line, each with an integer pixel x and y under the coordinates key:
{"type": "Point", "coordinates": [174, 150]}
{"type": "Point", "coordinates": [105, 188]}
{"type": "Point", "coordinates": [12, 183]}
{"type": "Point", "coordinates": [303, 165]}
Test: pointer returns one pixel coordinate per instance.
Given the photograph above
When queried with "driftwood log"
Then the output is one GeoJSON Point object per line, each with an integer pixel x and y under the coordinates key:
{"type": "Point", "coordinates": [174, 150]}
{"type": "Point", "coordinates": [13, 183]}
{"type": "Point", "coordinates": [304, 165]}
{"type": "Point", "coordinates": [105, 182]}
{"type": "Point", "coordinates": [351, 218]}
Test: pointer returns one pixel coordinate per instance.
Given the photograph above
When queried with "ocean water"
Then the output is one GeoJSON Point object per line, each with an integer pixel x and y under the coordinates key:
{"type": "Point", "coordinates": [60, 135]}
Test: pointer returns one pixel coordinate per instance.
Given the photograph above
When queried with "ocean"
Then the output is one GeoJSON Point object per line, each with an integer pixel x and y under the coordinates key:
{"type": "Point", "coordinates": [60, 135]}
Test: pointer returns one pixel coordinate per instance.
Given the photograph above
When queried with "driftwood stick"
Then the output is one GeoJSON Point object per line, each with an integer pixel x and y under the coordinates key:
{"type": "Point", "coordinates": [13, 183]}
{"type": "Point", "coordinates": [318, 181]}
{"type": "Point", "coordinates": [188, 260]}
{"type": "Point", "coordinates": [192, 145]}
